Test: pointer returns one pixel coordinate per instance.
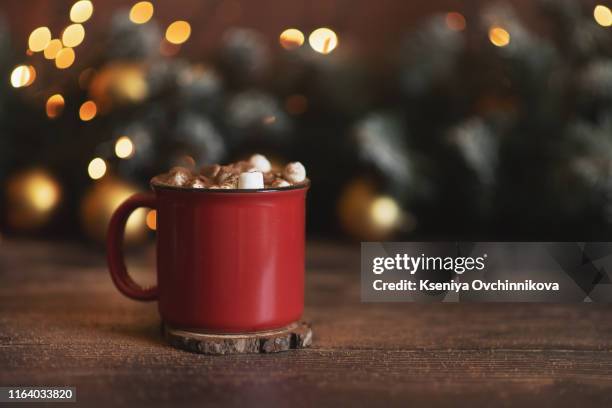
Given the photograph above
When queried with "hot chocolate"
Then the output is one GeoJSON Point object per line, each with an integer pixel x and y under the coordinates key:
{"type": "Point", "coordinates": [255, 173]}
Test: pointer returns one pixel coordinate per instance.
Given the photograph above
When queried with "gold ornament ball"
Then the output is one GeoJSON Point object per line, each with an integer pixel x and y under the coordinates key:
{"type": "Point", "coordinates": [365, 214]}
{"type": "Point", "coordinates": [99, 204]}
{"type": "Point", "coordinates": [32, 197]}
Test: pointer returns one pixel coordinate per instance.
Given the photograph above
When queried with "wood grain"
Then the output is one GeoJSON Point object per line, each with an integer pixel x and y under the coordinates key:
{"type": "Point", "coordinates": [62, 323]}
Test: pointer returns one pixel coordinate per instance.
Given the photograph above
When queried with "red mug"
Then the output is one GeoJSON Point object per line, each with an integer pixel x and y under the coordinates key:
{"type": "Point", "coordinates": [228, 261]}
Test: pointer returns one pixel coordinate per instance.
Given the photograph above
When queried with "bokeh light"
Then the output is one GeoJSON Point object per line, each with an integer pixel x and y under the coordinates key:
{"type": "Point", "coordinates": [23, 75]}
{"type": "Point", "coordinates": [32, 196]}
{"type": "Point", "coordinates": [385, 212]}
{"type": "Point", "coordinates": [151, 220]}
{"type": "Point", "coordinates": [323, 40]}
{"type": "Point", "coordinates": [81, 11]}
{"type": "Point", "coordinates": [39, 38]}
{"type": "Point", "coordinates": [499, 36]}
{"type": "Point", "coordinates": [291, 38]}
{"type": "Point", "coordinates": [101, 201]}
{"type": "Point", "coordinates": [141, 12]}
{"type": "Point", "coordinates": [53, 48]}
{"type": "Point", "coordinates": [178, 32]}
{"type": "Point", "coordinates": [64, 58]}
{"type": "Point", "coordinates": [88, 111]}
{"type": "Point", "coordinates": [124, 148]}
{"type": "Point", "coordinates": [55, 106]}
{"type": "Point", "coordinates": [455, 21]}
{"type": "Point", "coordinates": [73, 35]}
{"type": "Point", "coordinates": [603, 15]}
{"type": "Point", "coordinates": [96, 168]}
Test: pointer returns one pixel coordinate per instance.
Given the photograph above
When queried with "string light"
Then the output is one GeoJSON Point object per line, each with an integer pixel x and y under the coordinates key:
{"type": "Point", "coordinates": [73, 35]}
{"type": "Point", "coordinates": [55, 106]}
{"type": "Point", "coordinates": [291, 38]}
{"type": "Point", "coordinates": [124, 148]}
{"type": "Point", "coordinates": [178, 32]}
{"type": "Point", "coordinates": [39, 38]}
{"type": "Point", "coordinates": [64, 58]}
{"type": "Point", "coordinates": [455, 21]}
{"type": "Point", "coordinates": [141, 12]}
{"type": "Point", "coordinates": [88, 111]}
{"type": "Point", "coordinates": [323, 40]}
{"type": "Point", "coordinates": [96, 168]}
{"type": "Point", "coordinates": [603, 15]}
{"type": "Point", "coordinates": [23, 75]}
{"type": "Point", "coordinates": [499, 37]}
{"type": "Point", "coordinates": [81, 11]}
{"type": "Point", "coordinates": [151, 220]}
{"type": "Point", "coordinates": [52, 49]}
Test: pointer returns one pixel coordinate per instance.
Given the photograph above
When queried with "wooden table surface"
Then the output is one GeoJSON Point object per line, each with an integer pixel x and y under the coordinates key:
{"type": "Point", "coordinates": [63, 323]}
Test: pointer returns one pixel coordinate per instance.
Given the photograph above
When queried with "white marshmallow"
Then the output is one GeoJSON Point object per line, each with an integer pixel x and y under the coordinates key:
{"type": "Point", "coordinates": [294, 172]}
{"type": "Point", "coordinates": [251, 179]}
{"type": "Point", "coordinates": [179, 176]}
{"type": "Point", "coordinates": [260, 162]}
{"type": "Point", "coordinates": [280, 183]}
{"type": "Point", "coordinates": [197, 183]}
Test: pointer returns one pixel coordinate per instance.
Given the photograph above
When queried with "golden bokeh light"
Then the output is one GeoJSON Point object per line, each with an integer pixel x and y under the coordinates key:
{"type": "Point", "coordinates": [55, 106]}
{"type": "Point", "coordinates": [64, 58]}
{"type": "Point", "coordinates": [73, 35]}
{"type": "Point", "coordinates": [96, 168]}
{"type": "Point", "coordinates": [124, 148]}
{"type": "Point", "coordinates": [384, 212]}
{"type": "Point", "coordinates": [368, 215]}
{"type": "Point", "coordinates": [101, 201]}
{"type": "Point", "coordinates": [178, 32]}
{"type": "Point", "coordinates": [499, 36]}
{"type": "Point", "coordinates": [32, 197]}
{"type": "Point", "coordinates": [118, 84]}
{"type": "Point", "coordinates": [53, 48]}
{"type": "Point", "coordinates": [455, 21]}
{"type": "Point", "coordinates": [39, 39]}
{"type": "Point", "coordinates": [88, 111]}
{"type": "Point", "coordinates": [291, 38]}
{"type": "Point", "coordinates": [141, 12]}
{"type": "Point", "coordinates": [323, 40]}
{"type": "Point", "coordinates": [81, 11]}
{"type": "Point", "coordinates": [23, 75]}
{"type": "Point", "coordinates": [603, 15]}
{"type": "Point", "coordinates": [152, 220]}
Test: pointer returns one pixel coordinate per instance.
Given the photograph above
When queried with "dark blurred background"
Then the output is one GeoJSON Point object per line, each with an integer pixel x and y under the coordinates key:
{"type": "Point", "coordinates": [415, 120]}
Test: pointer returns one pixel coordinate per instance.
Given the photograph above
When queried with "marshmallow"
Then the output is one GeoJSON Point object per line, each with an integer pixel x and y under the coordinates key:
{"type": "Point", "coordinates": [260, 162]}
{"type": "Point", "coordinates": [179, 176]}
{"type": "Point", "coordinates": [198, 183]}
{"type": "Point", "coordinates": [294, 172]}
{"type": "Point", "coordinates": [280, 183]}
{"type": "Point", "coordinates": [251, 180]}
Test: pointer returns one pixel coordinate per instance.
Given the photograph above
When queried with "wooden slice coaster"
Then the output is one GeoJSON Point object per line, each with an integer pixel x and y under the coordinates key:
{"type": "Point", "coordinates": [295, 336]}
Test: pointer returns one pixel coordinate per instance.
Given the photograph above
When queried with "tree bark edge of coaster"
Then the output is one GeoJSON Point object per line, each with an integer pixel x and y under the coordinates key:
{"type": "Point", "coordinates": [295, 336]}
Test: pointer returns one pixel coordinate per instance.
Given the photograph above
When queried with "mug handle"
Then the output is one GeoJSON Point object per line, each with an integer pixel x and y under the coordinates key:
{"type": "Point", "coordinates": [114, 248]}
